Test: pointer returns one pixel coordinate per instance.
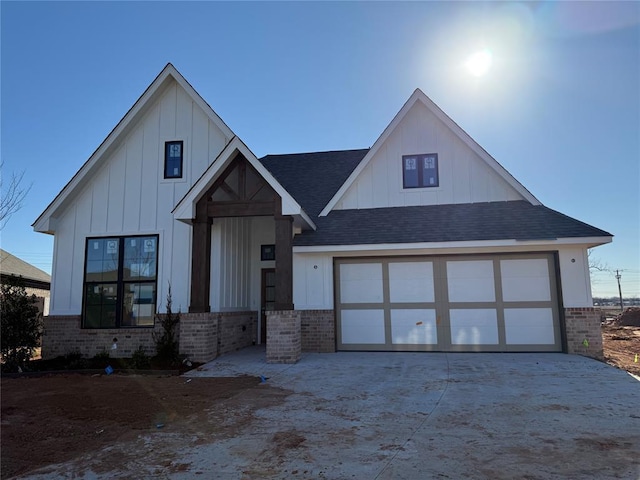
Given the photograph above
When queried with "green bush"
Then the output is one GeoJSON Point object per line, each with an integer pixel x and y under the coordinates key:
{"type": "Point", "coordinates": [21, 324]}
{"type": "Point", "coordinates": [167, 348]}
{"type": "Point", "coordinates": [140, 360]}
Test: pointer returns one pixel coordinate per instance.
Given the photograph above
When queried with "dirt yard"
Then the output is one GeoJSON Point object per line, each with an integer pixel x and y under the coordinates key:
{"type": "Point", "coordinates": [53, 419]}
{"type": "Point", "coordinates": [621, 339]}
{"type": "Point", "coordinates": [57, 418]}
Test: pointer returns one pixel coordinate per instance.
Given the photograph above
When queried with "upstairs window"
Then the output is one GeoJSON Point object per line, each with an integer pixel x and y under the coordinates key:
{"type": "Point", "coordinates": [420, 171]}
{"type": "Point", "coordinates": [173, 159]}
{"type": "Point", "coordinates": [120, 282]}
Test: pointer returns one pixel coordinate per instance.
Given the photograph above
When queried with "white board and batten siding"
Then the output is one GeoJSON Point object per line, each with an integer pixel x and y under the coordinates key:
{"type": "Point", "coordinates": [128, 195]}
{"type": "Point", "coordinates": [464, 177]}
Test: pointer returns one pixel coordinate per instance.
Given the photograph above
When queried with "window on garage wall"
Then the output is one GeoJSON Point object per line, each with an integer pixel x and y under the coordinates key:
{"type": "Point", "coordinates": [120, 282]}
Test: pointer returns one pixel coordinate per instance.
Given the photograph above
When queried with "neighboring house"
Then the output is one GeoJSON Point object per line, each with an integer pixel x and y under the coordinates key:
{"type": "Point", "coordinates": [421, 243]}
{"type": "Point", "coordinates": [36, 281]}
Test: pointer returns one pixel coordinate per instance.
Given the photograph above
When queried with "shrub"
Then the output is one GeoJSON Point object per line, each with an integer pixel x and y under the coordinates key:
{"type": "Point", "coordinates": [21, 324]}
{"type": "Point", "coordinates": [167, 349]}
{"type": "Point", "coordinates": [140, 360]}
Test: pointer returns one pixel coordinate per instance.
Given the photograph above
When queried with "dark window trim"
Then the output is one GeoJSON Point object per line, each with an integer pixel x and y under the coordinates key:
{"type": "Point", "coordinates": [120, 282]}
{"type": "Point", "coordinates": [167, 146]}
{"type": "Point", "coordinates": [421, 180]}
{"type": "Point", "coordinates": [267, 252]}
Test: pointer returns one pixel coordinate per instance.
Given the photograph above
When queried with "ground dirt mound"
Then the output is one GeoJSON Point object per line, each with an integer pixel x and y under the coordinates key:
{"type": "Point", "coordinates": [629, 318]}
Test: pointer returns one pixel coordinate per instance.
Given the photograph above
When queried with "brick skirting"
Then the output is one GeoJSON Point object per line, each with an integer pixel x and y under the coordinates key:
{"type": "Point", "coordinates": [202, 336]}
{"type": "Point", "coordinates": [63, 335]}
{"type": "Point", "coordinates": [318, 331]}
{"type": "Point", "coordinates": [584, 324]}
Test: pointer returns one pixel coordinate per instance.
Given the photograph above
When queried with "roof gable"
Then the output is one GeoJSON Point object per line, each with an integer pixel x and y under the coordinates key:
{"type": "Point", "coordinates": [419, 98]}
{"type": "Point", "coordinates": [185, 209]}
{"type": "Point", "coordinates": [46, 221]}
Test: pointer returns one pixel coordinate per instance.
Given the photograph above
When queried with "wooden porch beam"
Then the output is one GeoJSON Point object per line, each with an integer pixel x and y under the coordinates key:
{"type": "Point", "coordinates": [284, 263]}
{"type": "Point", "coordinates": [240, 209]}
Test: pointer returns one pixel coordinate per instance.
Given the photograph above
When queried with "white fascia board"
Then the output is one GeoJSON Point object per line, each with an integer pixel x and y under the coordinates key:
{"type": "Point", "coordinates": [466, 245]}
{"type": "Point", "coordinates": [185, 208]}
{"type": "Point", "coordinates": [156, 87]}
{"type": "Point", "coordinates": [418, 95]}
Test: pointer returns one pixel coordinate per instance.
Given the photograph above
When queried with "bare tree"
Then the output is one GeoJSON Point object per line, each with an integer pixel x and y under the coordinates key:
{"type": "Point", "coordinates": [12, 194]}
{"type": "Point", "coordinates": [595, 264]}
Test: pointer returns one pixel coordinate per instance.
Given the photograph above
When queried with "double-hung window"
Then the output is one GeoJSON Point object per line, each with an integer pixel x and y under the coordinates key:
{"type": "Point", "coordinates": [120, 282]}
{"type": "Point", "coordinates": [420, 171]}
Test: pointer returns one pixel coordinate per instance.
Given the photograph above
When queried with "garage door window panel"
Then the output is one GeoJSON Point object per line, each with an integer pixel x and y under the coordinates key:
{"type": "Point", "coordinates": [363, 327]}
{"type": "Point", "coordinates": [471, 281]}
{"type": "Point", "coordinates": [414, 327]}
{"type": "Point", "coordinates": [361, 283]}
{"type": "Point", "coordinates": [474, 326]}
{"type": "Point", "coordinates": [529, 326]}
{"type": "Point", "coordinates": [411, 282]}
{"type": "Point", "coordinates": [525, 280]}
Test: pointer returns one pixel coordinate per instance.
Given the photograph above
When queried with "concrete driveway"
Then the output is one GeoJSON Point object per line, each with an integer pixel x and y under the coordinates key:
{"type": "Point", "coordinates": [434, 415]}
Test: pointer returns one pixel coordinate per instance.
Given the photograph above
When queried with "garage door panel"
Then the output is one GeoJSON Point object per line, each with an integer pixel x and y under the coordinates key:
{"type": "Point", "coordinates": [474, 326]}
{"type": "Point", "coordinates": [470, 281]}
{"type": "Point", "coordinates": [411, 282]}
{"type": "Point", "coordinates": [525, 280]}
{"type": "Point", "coordinates": [414, 327]}
{"type": "Point", "coordinates": [529, 326]}
{"type": "Point", "coordinates": [361, 283]}
{"type": "Point", "coordinates": [362, 326]}
{"type": "Point", "coordinates": [493, 302]}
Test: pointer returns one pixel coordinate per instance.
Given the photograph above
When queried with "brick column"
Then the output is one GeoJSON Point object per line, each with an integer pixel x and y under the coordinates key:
{"type": "Point", "coordinates": [583, 323]}
{"type": "Point", "coordinates": [199, 336]}
{"type": "Point", "coordinates": [283, 336]}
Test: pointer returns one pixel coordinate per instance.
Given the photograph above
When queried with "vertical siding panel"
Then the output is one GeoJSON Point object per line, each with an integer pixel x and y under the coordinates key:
{"type": "Point", "coordinates": [216, 266]}
{"type": "Point", "coordinates": [152, 163]}
{"type": "Point", "coordinates": [365, 188]}
{"type": "Point", "coordinates": [99, 201]}
{"type": "Point", "coordinates": [199, 144]}
{"type": "Point", "coordinates": [115, 202]}
{"type": "Point", "coordinates": [217, 142]}
{"type": "Point", "coordinates": [392, 156]}
{"type": "Point", "coordinates": [379, 180]}
{"type": "Point", "coordinates": [133, 180]}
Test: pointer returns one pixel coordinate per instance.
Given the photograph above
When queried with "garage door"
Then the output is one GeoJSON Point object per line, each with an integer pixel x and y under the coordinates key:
{"type": "Point", "coordinates": [479, 303]}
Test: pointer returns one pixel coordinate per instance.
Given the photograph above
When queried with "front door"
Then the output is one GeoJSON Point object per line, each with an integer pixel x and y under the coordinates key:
{"type": "Point", "coordinates": [268, 299]}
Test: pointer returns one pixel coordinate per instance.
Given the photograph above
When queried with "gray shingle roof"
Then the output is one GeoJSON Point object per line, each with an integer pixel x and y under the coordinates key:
{"type": "Point", "coordinates": [313, 178]}
{"type": "Point", "coordinates": [517, 220]}
{"type": "Point", "coordinates": [12, 265]}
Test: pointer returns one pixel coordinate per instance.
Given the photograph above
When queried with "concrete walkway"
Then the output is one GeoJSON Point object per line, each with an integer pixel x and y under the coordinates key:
{"type": "Point", "coordinates": [433, 415]}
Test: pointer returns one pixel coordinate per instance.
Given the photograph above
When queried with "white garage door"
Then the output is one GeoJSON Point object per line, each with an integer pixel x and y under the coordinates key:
{"type": "Point", "coordinates": [481, 303]}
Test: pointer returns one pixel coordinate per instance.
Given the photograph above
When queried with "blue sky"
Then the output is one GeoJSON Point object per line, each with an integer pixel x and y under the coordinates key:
{"type": "Point", "coordinates": [559, 107]}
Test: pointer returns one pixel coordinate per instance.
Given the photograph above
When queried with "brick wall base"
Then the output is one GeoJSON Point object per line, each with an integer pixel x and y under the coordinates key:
{"type": "Point", "coordinates": [318, 331]}
{"type": "Point", "coordinates": [584, 324]}
{"type": "Point", "coordinates": [202, 336]}
{"type": "Point", "coordinates": [63, 335]}
{"type": "Point", "coordinates": [283, 336]}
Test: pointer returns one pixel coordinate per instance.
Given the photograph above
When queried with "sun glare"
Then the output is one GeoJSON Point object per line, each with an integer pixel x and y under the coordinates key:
{"type": "Point", "coordinates": [479, 63]}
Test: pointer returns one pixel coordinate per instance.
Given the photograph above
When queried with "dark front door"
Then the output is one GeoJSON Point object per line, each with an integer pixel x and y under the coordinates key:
{"type": "Point", "coordinates": [268, 299]}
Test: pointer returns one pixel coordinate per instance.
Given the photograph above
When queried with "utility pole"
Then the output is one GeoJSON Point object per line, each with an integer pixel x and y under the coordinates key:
{"type": "Point", "coordinates": [618, 276]}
